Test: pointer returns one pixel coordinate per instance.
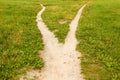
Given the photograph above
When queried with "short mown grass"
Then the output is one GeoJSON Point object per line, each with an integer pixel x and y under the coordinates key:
{"type": "Point", "coordinates": [98, 33]}
{"type": "Point", "coordinates": [99, 37]}
{"type": "Point", "coordinates": [60, 10]}
{"type": "Point", "coordinates": [20, 38]}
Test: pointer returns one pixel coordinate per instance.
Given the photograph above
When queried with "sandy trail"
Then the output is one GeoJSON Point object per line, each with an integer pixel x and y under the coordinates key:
{"type": "Point", "coordinates": [61, 60]}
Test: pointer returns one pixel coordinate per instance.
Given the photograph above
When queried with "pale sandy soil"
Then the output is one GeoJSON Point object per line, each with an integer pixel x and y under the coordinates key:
{"type": "Point", "coordinates": [61, 60]}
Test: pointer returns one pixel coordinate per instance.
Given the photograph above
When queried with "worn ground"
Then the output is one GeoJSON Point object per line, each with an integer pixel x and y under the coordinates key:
{"type": "Point", "coordinates": [61, 60]}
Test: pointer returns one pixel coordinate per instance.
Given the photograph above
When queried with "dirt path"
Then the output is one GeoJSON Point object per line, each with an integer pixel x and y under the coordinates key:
{"type": "Point", "coordinates": [61, 60]}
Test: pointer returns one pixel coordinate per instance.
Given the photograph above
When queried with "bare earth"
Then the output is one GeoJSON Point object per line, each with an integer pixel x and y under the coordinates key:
{"type": "Point", "coordinates": [61, 60]}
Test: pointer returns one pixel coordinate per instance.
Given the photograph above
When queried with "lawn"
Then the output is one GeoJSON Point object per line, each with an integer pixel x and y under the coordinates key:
{"type": "Point", "coordinates": [58, 11]}
{"type": "Point", "coordinates": [20, 39]}
{"type": "Point", "coordinates": [98, 33]}
{"type": "Point", "coordinates": [99, 37]}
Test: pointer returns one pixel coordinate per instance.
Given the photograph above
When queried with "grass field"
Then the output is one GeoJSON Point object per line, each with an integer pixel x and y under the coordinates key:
{"type": "Point", "coordinates": [20, 38]}
{"type": "Point", "coordinates": [99, 36]}
{"type": "Point", "coordinates": [98, 33]}
{"type": "Point", "coordinates": [62, 10]}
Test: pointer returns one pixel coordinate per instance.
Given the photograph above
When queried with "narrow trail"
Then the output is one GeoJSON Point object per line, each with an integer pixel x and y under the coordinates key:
{"type": "Point", "coordinates": [61, 60]}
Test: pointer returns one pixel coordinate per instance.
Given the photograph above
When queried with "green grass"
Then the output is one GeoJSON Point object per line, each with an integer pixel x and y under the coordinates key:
{"type": "Point", "coordinates": [56, 11]}
{"type": "Point", "coordinates": [99, 36]}
{"type": "Point", "coordinates": [20, 38]}
{"type": "Point", "coordinates": [98, 33]}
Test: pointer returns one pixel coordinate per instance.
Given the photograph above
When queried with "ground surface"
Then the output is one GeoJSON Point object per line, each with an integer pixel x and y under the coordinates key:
{"type": "Point", "coordinates": [61, 60]}
{"type": "Point", "coordinates": [20, 38]}
{"type": "Point", "coordinates": [98, 34]}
